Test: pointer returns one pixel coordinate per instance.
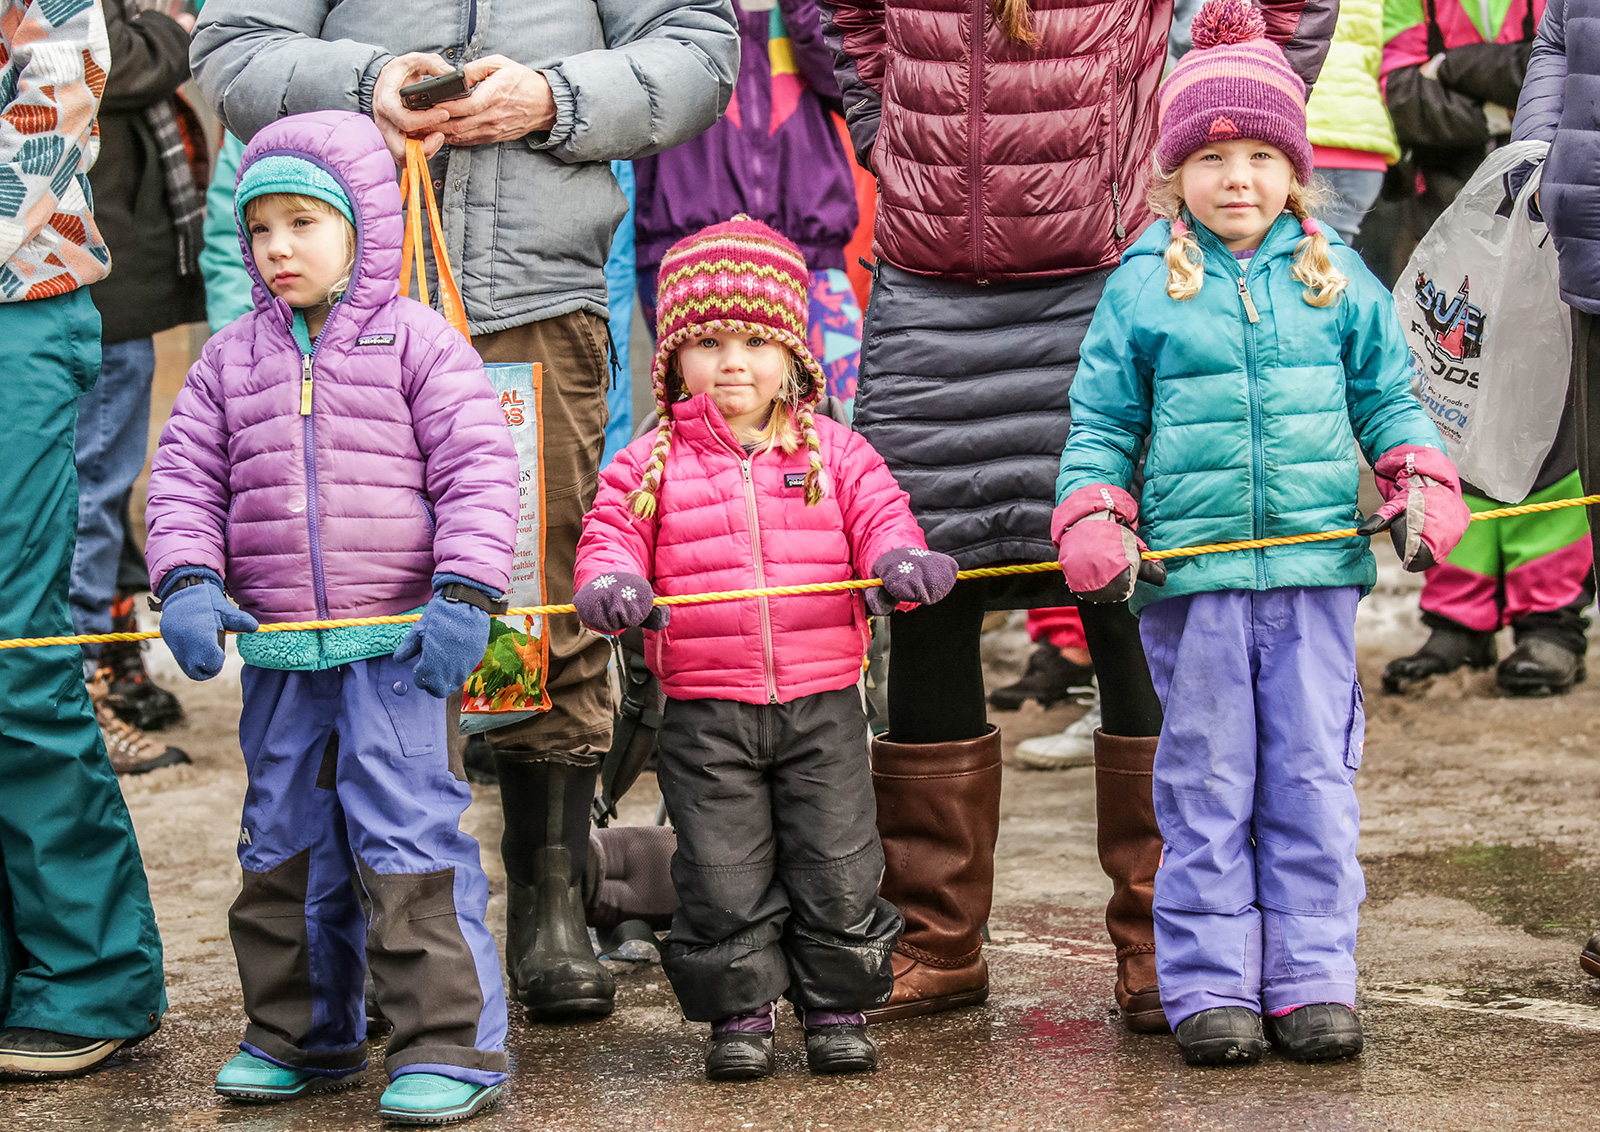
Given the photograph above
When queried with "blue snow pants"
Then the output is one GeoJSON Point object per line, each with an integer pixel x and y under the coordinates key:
{"type": "Point", "coordinates": [352, 790]}
{"type": "Point", "coordinates": [1258, 891]}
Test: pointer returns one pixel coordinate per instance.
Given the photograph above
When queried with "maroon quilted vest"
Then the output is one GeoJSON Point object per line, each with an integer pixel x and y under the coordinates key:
{"type": "Point", "coordinates": [998, 161]}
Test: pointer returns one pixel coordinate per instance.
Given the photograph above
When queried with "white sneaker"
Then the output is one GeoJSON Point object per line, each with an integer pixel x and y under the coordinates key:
{"type": "Point", "coordinates": [1069, 748]}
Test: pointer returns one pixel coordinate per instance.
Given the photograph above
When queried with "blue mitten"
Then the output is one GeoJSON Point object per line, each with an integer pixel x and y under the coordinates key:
{"type": "Point", "coordinates": [193, 618]}
{"type": "Point", "coordinates": [910, 574]}
{"type": "Point", "coordinates": [450, 639]}
{"type": "Point", "coordinates": [619, 600]}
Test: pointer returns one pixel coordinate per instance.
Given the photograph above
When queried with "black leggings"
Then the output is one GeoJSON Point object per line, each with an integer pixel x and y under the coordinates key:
{"type": "Point", "coordinates": [936, 675]}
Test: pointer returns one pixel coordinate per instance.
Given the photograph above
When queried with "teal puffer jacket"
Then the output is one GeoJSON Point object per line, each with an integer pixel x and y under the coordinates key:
{"type": "Point", "coordinates": [1253, 427]}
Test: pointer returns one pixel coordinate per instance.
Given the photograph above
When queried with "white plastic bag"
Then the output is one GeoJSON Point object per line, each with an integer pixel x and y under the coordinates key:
{"type": "Point", "coordinates": [1488, 332]}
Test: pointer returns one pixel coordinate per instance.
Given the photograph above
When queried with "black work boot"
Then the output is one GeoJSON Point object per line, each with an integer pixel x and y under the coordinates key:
{"type": "Point", "coordinates": [1539, 666]}
{"type": "Point", "coordinates": [1589, 957]}
{"type": "Point", "coordinates": [552, 966]}
{"type": "Point", "coordinates": [838, 1043]}
{"type": "Point", "coordinates": [1448, 648]}
{"type": "Point", "coordinates": [1223, 1035]}
{"type": "Point", "coordinates": [1322, 1031]}
{"type": "Point", "coordinates": [1050, 678]}
{"type": "Point", "coordinates": [130, 694]}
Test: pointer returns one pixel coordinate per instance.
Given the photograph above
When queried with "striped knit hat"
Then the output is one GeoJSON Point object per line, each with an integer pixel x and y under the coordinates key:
{"type": "Point", "coordinates": [742, 276]}
{"type": "Point", "coordinates": [1236, 83]}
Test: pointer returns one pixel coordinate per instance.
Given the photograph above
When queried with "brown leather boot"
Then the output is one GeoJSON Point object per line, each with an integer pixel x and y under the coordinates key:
{"type": "Point", "coordinates": [1130, 853]}
{"type": "Point", "coordinates": [938, 816]}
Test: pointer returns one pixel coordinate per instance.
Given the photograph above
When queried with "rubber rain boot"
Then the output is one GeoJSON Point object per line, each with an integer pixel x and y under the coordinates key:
{"type": "Point", "coordinates": [938, 817]}
{"type": "Point", "coordinates": [553, 969]}
{"type": "Point", "coordinates": [1448, 647]}
{"type": "Point", "coordinates": [1130, 852]}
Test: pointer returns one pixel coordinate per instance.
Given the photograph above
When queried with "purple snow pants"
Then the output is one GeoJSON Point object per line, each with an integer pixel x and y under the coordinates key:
{"type": "Point", "coordinates": [352, 791]}
{"type": "Point", "coordinates": [1258, 892]}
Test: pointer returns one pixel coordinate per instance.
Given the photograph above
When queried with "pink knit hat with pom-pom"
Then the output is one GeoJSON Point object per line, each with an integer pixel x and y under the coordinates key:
{"type": "Point", "coordinates": [1236, 83]}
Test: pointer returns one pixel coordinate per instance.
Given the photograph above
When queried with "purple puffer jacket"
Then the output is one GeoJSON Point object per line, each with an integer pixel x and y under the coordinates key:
{"type": "Point", "coordinates": [404, 466]}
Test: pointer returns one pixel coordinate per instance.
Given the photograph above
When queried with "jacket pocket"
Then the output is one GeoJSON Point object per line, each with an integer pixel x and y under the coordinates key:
{"type": "Point", "coordinates": [411, 710]}
{"type": "Point", "coordinates": [1355, 736]}
{"type": "Point", "coordinates": [427, 513]}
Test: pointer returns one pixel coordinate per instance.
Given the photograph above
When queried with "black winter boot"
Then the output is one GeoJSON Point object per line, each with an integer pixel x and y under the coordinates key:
{"type": "Point", "coordinates": [130, 694]}
{"type": "Point", "coordinates": [1448, 648]}
{"type": "Point", "coordinates": [552, 966]}
{"type": "Point", "coordinates": [1050, 678]}
{"type": "Point", "coordinates": [1539, 666]}
{"type": "Point", "coordinates": [1589, 957]}
{"type": "Point", "coordinates": [1223, 1035]}
{"type": "Point", "coordinates": [1323, 1031]}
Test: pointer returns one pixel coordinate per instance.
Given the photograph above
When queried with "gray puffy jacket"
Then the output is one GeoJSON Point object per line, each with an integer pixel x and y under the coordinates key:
{"type": "Point", "coordinates": [528, 222]}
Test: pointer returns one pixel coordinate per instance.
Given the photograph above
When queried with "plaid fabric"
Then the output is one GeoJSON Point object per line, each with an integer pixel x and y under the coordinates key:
{"type": "Point", "coordinates": [53, 61]}
{"type": "Point", "coordinates": [184, 198]}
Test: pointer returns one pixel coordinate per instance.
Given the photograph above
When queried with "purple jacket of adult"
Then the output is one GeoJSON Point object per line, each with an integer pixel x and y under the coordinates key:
{"type": "Point", "coordinates": [402, 469]}
{"type": "Point", "coordinates": [775, 155]}
{"type": "Point", "coordinates": [1560, 104]}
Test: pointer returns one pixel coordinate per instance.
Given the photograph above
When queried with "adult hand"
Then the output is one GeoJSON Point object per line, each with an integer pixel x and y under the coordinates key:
{"type": "Point", "coordinates": [508, 101]}
{"type": "Point", "coordinates": [395, 122]}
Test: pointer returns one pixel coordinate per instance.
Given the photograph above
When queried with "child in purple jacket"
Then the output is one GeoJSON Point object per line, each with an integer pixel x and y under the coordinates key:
{"type": "Point", "coordinates": [339, 453]}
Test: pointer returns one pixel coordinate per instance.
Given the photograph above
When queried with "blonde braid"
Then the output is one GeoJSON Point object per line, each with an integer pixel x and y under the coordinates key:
{"type": "Point", "coordinates": [642, 501]}
{"type": "Point", "coordinates": [1185, 273]}
{"type": "Point", "coordinates": [1313, 265]}
{"type": "Point", "coordinates": [817, 485]}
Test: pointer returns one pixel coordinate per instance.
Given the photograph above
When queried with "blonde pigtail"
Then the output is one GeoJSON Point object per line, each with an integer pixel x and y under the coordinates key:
{"type": "Point", "coordinates": [817, 485]}
{"type": "Point", "coordinates": [642, 500]}
{"type": "Point", "coordinates": [1185, 275]}
{"type": "Point", "coordinates": [1313, 265]}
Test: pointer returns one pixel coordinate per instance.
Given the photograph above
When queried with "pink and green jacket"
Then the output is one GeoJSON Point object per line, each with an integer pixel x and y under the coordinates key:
{"type": "Point", "coordinates": [53, 61]}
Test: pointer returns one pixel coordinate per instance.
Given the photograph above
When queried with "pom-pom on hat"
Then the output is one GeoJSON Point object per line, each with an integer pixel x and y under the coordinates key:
{"type": "Point", "coordinates": [739, 275]}
{"type": "Point", "coordinates": [1236, 83]}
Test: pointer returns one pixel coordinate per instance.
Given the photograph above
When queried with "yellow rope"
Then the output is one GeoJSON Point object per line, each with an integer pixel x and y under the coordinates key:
{"type": "Point", "coordinates": [810, 587]}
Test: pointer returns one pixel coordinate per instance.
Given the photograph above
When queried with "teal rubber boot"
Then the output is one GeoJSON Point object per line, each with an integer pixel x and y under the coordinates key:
{"type": "Point", "coordinates": [251, 1079]}
{"type": "Point", "coordinates": [431, 1098]}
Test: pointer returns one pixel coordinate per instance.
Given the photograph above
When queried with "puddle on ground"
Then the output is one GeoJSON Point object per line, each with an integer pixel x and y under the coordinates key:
{"type": "Point", "coordinates": [1532, 887]}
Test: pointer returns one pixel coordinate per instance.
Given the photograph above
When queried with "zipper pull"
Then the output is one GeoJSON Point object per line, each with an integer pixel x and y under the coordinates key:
{"type": "Point", "coordinates": [1249, 303]}
{"type": "Point", "coordinates": [1116, 211]}
{"type": "Point", "coordinates": [744, 466]}
{"type": "Point", "coordinates": [305, 386]}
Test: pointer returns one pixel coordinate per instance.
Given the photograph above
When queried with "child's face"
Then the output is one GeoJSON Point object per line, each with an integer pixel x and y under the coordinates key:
{"type": "Point", "coordinates": [301, 253]}
{"type": "Point", "coordinates": [1237, 189]}
{"type": "Point", "coordinates": [742, 372]}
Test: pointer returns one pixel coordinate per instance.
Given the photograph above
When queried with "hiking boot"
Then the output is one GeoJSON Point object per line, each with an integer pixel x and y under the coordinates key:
{"type": "Point", "coordinates": [433, 1098]}
{"type": "Point", "coordinates": [1322, 1031]}
{"type": "Point", "coordinates": [741, 1047]}
{"type": "Point", "coordinates": [255, 1080]}
{"type": "Point", "coordinates": [1539, 666]}
{"type": "Point", "coordinates": [1223, 1035]}
{"type": "Point", "coordinates": [129, 690]}
{"type": "Point", "coordinates": [1589, 957]}
{"type": "Point", "coordinates": [130, 749]}
{"type": "Point", "coordinates": [1065, 749]}
{"type": "Point", "coordinates": [838, 1043]}
{"type": "Point", "coordinates": [1449, 647]}
{"type": "Point", "coordinates": [1050, 678]}
{"type": "Point", "coordinates": [25, 1052]}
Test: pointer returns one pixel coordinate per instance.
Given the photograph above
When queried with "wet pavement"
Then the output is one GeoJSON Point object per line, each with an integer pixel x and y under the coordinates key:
{"type": "Point", "coordinates": [1479, 841]}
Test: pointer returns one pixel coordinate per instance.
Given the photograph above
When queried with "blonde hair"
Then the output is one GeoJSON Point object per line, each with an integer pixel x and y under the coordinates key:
{"type": "Point", "coordinates": [1313, 265]}
{"type": "Point", "coordinates": [791, 423]}
{"type": "Point", "coordinates": [1015, 18]}
{"type": "Point", "coordinates": [301, 202]}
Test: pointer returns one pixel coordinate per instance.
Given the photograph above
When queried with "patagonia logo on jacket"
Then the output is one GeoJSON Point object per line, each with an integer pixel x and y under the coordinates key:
{"type": "Point", "coordinates": [794, 479]}
{"type": "Point", "coordinates": [375, 340]}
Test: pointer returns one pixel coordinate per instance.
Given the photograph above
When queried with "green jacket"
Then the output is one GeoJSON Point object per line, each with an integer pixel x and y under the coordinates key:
{"type": "Point", "coordinates": [1253, 427]}
{"type": "Point", "coordinates": [1346, 107]}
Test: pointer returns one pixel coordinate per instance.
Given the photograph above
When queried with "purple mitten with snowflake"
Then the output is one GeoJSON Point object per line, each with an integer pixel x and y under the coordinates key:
{"type": "Point", "coordinates": [616, 601]}
{"type": "Point", "coordinates": [910, 575]}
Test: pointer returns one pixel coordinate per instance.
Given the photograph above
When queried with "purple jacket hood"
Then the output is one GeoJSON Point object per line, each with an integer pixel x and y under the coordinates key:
{"type": "Point", "coordinates": [402, 468]}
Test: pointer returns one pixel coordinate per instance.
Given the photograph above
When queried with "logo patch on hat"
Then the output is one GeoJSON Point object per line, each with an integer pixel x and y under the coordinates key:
{"type": "Point", "coordinates": [1223, 129]}
{"type": "Point", "coordinates": [794, 479]}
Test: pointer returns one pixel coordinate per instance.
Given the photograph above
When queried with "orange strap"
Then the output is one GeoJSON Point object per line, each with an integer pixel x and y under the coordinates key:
{"type": "Point", "coordinates": [416, 187]}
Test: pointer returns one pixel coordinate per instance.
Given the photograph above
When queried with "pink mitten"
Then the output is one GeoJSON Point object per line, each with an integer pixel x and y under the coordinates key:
{"type": "Point", "coordinates": [1100, 554]}
{"type": "Point", "coordinates": [1424, 512]}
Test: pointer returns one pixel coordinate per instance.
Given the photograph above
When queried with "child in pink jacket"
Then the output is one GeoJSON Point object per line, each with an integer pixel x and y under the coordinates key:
{"type": "Point", "coordinates": [763, 752]}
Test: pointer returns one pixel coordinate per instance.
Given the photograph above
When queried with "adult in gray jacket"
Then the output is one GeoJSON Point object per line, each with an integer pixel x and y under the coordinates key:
{"type": "Point", "coordinates": [560, 88]}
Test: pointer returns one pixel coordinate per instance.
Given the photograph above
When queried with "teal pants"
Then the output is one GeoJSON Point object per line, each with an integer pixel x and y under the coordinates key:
{"type": "Point", "coordinates": [79, 952]}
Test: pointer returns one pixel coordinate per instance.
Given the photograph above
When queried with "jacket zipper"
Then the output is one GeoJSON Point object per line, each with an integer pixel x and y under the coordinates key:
{"type": "Point", "coordinates": [1118, 229]}
{"type": "Point", "coordinates": [313, 523]}
{"type": "Point", "coordinates": [768, 665]}
{"type": "Point", "coordinates": [1258, 459]}
{"type": "Point", "coordinates": [975, 142]}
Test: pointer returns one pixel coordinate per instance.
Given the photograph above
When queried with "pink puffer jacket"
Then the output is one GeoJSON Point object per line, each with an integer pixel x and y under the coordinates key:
{"type": "Point", "coordinates": [404, 466]}
{"type": "Point", "coordinates": [730, 521]}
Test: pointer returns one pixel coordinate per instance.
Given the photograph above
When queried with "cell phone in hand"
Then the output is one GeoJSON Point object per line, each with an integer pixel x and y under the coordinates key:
{"type": "Point", "coordinates": [428, 93]}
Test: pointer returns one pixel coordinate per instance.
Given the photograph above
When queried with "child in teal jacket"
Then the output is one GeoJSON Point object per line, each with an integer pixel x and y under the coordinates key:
{"type": "Point", "coordinates": [1256, 355]}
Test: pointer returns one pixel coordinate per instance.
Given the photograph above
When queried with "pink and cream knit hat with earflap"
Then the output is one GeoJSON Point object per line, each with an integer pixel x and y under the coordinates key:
{"type": "Point", "coordinates": [738, 276]}
{"type": "Point", "coordinates": [1236, 83]}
